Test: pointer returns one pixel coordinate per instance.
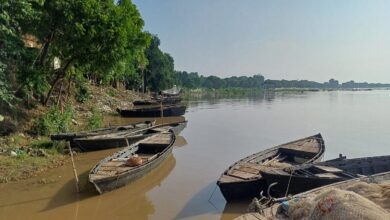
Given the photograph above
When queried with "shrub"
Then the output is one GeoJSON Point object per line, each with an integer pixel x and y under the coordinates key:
{"type": "Point", "coordinates": [54, 121]}
{"type": "Point", "coordinates": [96, 119]}
{"type": "Point", "coordinates": [82, 92]}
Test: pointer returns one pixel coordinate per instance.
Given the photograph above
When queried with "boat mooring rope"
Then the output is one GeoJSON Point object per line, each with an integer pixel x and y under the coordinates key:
{"type": "Point", "coordinates": [288, 185]}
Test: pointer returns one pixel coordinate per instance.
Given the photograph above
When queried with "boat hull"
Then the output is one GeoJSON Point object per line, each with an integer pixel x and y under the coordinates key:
{"type": "Point", "coordinates": [243, 189]}
{"type": "Point", "coordinates": [295, 184]}
{"type": "Point", "coordinates": [240, 190]}
{"type": "Point", "coordinates": [154, 112]}
{"type": "Point", "coordinates": [86, 145]}
{"type": "Point", "coordinates": [109, 184]}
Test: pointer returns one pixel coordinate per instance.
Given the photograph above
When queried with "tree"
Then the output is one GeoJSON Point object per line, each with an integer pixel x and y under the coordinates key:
{"type": "Point", "coordinates": [159, 73]}
{"type": "Point", "coordinates": [90, 34]}
{"type": "Point", "coordinates": [15, 16]}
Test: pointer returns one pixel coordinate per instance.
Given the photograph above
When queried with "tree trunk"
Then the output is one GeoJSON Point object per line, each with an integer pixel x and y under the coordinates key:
{"type": "Point", "coordinates": [46, 48]}
{"type": "Point", "coordinates": [60, 75]}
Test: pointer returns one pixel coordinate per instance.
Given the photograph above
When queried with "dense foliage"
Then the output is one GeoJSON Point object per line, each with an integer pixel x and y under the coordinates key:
{"type": "Point", "coordinates": [99, 39]}
{"type": "Point", "coordinates": [159, 73]}
{"type": "Point", "coordinates": [194, 80]}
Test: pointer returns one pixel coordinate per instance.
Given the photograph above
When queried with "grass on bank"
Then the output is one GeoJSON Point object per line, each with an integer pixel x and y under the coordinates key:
{"type": "Point", "coordinates": [23, 166]}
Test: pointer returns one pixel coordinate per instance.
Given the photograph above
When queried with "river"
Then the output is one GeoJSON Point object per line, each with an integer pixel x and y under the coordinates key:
{"type": "Point", "coordinates": [219, 132]}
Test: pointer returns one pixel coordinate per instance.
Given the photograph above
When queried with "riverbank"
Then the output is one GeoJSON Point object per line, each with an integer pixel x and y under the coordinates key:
{"type": "Point", "coordinates": [25, 152]}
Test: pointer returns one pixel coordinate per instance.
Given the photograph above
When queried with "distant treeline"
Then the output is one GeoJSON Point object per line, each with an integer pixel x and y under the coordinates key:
{"type": "Point", "coordinates": [194, 80]}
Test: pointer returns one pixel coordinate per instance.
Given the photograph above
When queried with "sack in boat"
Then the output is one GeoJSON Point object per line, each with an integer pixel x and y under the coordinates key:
{"type": "Point", "coordinates": [134, 161]}
{"type": "Point", "coordinates": [339, 204]}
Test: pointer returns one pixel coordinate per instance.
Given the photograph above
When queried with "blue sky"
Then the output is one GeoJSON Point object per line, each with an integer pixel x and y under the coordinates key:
{"type": "Point", "coordinates": [281, 39]}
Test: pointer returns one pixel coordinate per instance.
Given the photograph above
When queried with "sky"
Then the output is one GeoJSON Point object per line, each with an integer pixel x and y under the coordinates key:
{"type": "Point", "coordinates": [280, 39]}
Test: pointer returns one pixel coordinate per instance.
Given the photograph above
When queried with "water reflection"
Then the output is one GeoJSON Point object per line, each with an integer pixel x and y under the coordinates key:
{"type": "Point", "coordinates": [180, 142]}
{"type": "Point", "coordinates": [234, 209]}
{"type": "Point", "coordinates": [60, 200]}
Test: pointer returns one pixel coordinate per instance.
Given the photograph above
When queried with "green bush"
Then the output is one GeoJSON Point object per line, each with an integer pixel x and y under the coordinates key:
{"type": "Point", "coordinates": [54, 121]}
{"type": "Point", "coordinates": [82, 92]}
{"type": "Point", "coordinates": [96, 119]}
{"type": "Point", "coordinates": [112, 92]}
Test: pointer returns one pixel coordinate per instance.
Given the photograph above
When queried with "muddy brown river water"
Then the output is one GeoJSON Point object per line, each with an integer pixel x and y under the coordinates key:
{"type": "Point", "coordinates": [218, 133]}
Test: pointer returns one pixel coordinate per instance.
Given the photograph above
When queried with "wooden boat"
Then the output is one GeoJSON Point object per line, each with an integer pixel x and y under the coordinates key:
{"type": "Point", "coordinates": [101, 131]}
{"type": "Point", "coordinates": [115, 171]}
{"type": "Point", "coordinates": [242, 180]}
{"type": "Point", "coordinates": [302, 178]}
{"type": "Point", "coordinates": [164, 100]}
{"type": "Point", "coordinates": [174, 91]}
{"type": "Point", "coordinates": [154, 111]}
{"type": "Point", "coordinates": [274, 211]}
{"type": "Point", "coordinates": [123, 138]}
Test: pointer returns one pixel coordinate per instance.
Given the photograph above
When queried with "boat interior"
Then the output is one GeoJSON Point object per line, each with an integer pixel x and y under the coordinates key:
{"type": "Point", "coordinates": [345, 169]}
{"type": "Point", "coordinates": [286, 155]}
{"type": "Point", "coordinates": [147, 150]}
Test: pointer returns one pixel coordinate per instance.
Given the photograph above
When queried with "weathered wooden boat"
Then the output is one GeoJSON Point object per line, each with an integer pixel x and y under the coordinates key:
{"type": "Point", "coordinates": [101, 131]}
{"type": "Point", "coordinates": [275, 211]}
{"type": "Point", "coordinates": [123, 138]}
{"type": "Point", "coordinates": [301, 178]}
{"type": "Point", "coordinates": [242, 180]}
{"type": "Point", "coordinates": [154, 111]}
{"type": "Point", "coordinates": [116, 171]}
{"type": "Point", "coordinates": [174, 91]}
{"type": "Point", "coordinates": [169, 100]}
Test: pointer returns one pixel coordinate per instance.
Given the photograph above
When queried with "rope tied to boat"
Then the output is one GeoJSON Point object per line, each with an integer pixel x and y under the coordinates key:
{"type": "Point", "coordinates": [289, 181]}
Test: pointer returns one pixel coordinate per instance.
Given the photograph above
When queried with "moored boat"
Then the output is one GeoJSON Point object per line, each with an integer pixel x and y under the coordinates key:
{"type": "Point", "coordinates": [123, 138]}
{"type": "Point", "coordinates": [154, 111]}
{"type": "Point", "coordinates": [101, 131]}
{"type": "Point", "coordinates": [301, 178]}
{"type": "Point", "coordinates": [242, 180]}
{"type": "Point", "coordinates": [120, 169]}
{"type": "Point", "coordinates": [163, 100]}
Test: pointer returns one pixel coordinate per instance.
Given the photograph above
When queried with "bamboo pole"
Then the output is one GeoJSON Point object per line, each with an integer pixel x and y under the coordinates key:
{"type": "Point", "coordinates": [74, 168]}
{"type": "Point", "coordinates": [162, 112]}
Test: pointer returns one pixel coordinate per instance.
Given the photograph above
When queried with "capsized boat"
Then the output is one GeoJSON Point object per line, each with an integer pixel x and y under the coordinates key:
{"type": "Point", "coordinates": [124, 138]}
{"type": "Point", "coordinates": [242, 180]}
{"type": "Point", "coordinates": [132, 162]}
{"type": "Point", "coordinates": [301, 178]}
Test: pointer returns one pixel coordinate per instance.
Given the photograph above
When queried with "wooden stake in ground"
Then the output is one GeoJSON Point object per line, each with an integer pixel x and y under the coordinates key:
{"type": "Point", "coordinates": [162, 112]}
{"type": "Point", "coordinates": [74, 168]}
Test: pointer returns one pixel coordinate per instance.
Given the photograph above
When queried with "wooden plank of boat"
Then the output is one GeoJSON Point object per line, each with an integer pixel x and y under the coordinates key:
{"type": "Point", "coordinates": [101, 131]}
{"type": "Point", "coordinates": [122, 138]}
{"type": "Point", "coordinates": [154, 111]}
{"type": "Point", "coordinates": [243, 179]}
{"type": "Point", "coordinates": [302, 178]}
{"type": "Point", "coordinates": [108, 175]}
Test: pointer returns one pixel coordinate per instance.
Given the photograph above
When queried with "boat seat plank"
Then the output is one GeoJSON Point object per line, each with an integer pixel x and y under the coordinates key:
{"type": "Point", "coordinates": [229, 179]}
{"type": "Point", "coordinates": [117, 169]}
{"type": "Point", "coordinates": [326, 175]}
{"type": "Point", "coordinates": [106, 173]}
{"type": "Point", "coordinates": [328, 169]}
{"type": "Point", "coordinates": [304, 145]}
{"type": "Point", "coordinates": [251, 165]}
{"type": "Point", "coordinates": [243, 175]}
{"type": "Point", "coordinates": [113, 164]}
{"type": "Point", "coordinates": [247, 169]}
{"type": "Point", "coordinates": [94, 177]}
